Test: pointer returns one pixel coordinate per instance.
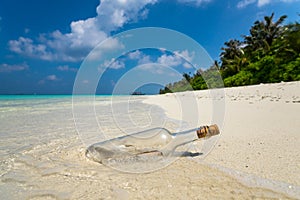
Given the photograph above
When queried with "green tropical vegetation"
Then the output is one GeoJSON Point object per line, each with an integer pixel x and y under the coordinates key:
{"type": "Point", "coordinates": [269, 54]}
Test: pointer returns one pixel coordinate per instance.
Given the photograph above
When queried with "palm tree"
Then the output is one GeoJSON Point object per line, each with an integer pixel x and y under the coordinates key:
{"type": "Point", "coordinates": [263, 33]}
{"type": "Point", "coordinates": [292, 38]}
{"type": "Point", "coordinates": [187, 77]}
{"type": "Point", "coordinates": [232, 57]}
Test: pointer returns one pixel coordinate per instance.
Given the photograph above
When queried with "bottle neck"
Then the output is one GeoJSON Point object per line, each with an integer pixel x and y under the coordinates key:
{"type": "Point", "coordinates": [184, 137]}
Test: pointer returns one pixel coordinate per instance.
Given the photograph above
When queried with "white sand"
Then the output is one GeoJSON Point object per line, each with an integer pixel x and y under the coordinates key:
{"type": "Point", "coordinates": [260, 131]}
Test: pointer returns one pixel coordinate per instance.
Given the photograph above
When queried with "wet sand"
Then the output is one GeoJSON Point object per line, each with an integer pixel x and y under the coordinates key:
{"type": "Point", "coordinates": [66, 174]}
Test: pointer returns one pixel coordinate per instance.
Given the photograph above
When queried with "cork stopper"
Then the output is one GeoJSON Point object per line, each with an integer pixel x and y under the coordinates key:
{"type": "Point", "coordinates": [208, 131]}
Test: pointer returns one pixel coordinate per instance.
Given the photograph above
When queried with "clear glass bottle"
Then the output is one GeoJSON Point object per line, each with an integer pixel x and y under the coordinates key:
{"type": "Point", "coordinates": [152, 142]}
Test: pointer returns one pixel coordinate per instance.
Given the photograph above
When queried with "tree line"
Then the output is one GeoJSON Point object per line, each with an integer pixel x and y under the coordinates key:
{"type": "Point", "coordinates": [269, 54]}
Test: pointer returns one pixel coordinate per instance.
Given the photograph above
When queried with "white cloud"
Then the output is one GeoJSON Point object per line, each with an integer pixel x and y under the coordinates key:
{"type": "Point", "coordinates": [66, 68]}
{"type": "Point", "coordinates": [49, 78]}
{"type": "Point", "coordinates": [162, 50]}
{"type": "Point", "coordinates": [189, 56]}
{"type": "Point", "coordinates": [117, 65]}
{"type": "Point", "coordinates": [177, 59]}
{"type": "Point", "coordinates": [111, 64]}
{"type": "Point", "coordinates": [244, 3]}
{"type": "Point", "coordinates": [173, 60]}
{"type": "Point", "coordinates": [260, 3]}
{"type": "Point", "coordinates": [135, 55]}
{"type": "Point", "coordinates": [169, 60]}
{"type": "Point", "coordinates": [187, 65]}
{"type": "Point", "coordinates": [25, 46]}
{"type": "Point", "coordinates": [52, 78]}
{"type": "Point", "coordinates": [194, 2]}
{"type": "Point", "coordinates": [114, 14]}
{"type": "Point", "coordinates": [140, 57]}
{"type": "Point", "coordinates": [110, 44]}
{"type": "Point", "coordinates": [144, 60]}
{"type": "Point", "coordinates": [156, 69]}
{"type": "Point", "coordinates": [263, 2]}
{"type": "Point", "coordinates": [85, 34]}
{"type": "Point", "coordinates": [11, 68]}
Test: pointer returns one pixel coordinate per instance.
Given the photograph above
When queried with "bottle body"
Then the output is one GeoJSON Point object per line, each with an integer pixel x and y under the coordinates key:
{"type": "Point", "coordinates": [152, 142]}
{"type": "Point", "coordinates": [149, 141]}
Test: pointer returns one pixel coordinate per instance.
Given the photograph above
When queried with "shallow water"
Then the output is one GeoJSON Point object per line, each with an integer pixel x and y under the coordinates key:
{"type": "Point", "coordinates": [40, 137]}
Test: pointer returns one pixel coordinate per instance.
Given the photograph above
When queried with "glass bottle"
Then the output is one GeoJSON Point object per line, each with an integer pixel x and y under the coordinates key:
{"type": "Point", "coordinates": [152, 142]}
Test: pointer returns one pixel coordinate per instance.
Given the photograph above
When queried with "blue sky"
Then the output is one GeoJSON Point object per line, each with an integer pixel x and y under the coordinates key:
{"type": "Point", "coordinates": [43, 43]}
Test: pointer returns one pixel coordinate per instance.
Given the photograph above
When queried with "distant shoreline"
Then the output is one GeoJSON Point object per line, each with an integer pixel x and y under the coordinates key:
{"type": "Point", "coordinates": [242, 86]}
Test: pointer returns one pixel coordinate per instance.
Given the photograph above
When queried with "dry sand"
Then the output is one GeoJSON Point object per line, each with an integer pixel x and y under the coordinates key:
{"type": "Point", "coordinates": [256, 157]}
{"type": "Point", "coordinates": [260, 141]}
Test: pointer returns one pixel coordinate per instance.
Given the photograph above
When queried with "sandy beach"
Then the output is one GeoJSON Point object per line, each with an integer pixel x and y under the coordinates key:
{"type": "Point", "coordinates": [260, 134]}
{"type": "Point", "coordinates": [256, 156]}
